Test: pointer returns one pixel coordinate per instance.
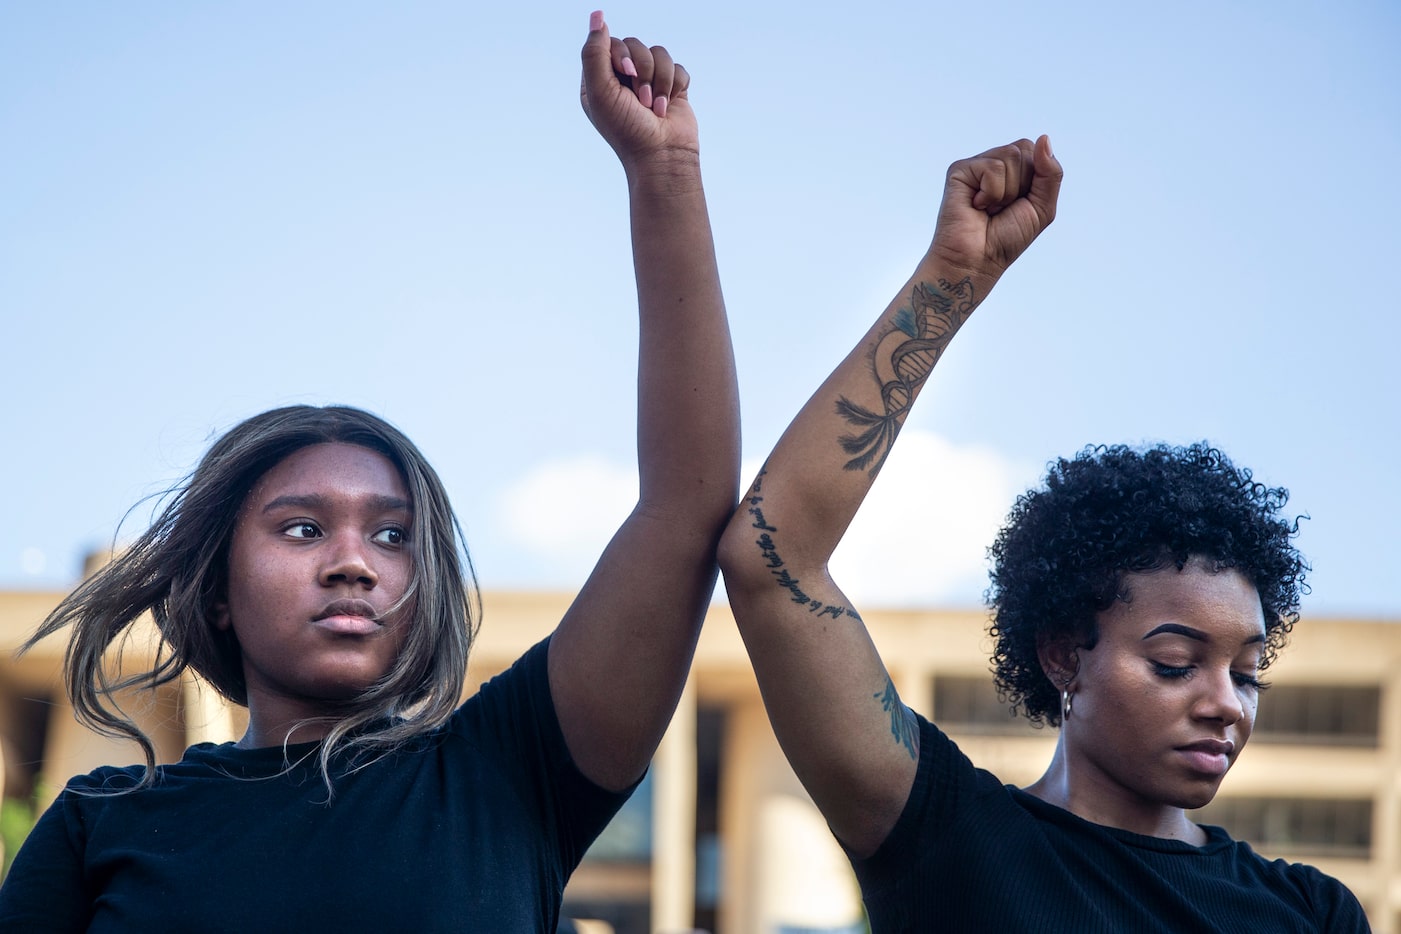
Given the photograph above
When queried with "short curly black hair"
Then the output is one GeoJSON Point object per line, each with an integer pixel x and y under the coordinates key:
{"type": "Point", "coordinates": [1060, 558]}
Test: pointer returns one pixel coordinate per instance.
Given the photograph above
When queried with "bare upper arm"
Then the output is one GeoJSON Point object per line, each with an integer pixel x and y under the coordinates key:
{"type": "Point", "coordinates": [850, 739]}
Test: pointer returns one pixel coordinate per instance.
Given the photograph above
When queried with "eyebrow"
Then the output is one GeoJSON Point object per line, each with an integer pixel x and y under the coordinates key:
{"type": "Point", "coordinates": [1195, 634]}
{"type": "Point", "coordinates": [376, 503]}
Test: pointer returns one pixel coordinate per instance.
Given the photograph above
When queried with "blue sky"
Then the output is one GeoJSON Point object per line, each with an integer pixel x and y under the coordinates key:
{"type": "Point", "coordinates": [209, 210]}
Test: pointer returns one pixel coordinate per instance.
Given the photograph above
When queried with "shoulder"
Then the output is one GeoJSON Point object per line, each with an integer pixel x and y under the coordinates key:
{"type": "Point", "coordinates": [202, 774]}
{"type": "Point", "coordinates": [1331, 903]}
{"type": "Point", "coordinates": [947, 774]}
{"type": "Point", "coordinates": [198, 760]}
{"type": "Point", "coordinates": [520, 692]}
{"type": "Point", "coordinates": [511, 720]}
{"type": "Point", "coordinates": [54, 848]}
{"type": "Point", "coordinates": [107, 782]}
{"type": "Point", "coordinates": [510, 733]}
{"type": "Point", "coordinates": [947, 787]}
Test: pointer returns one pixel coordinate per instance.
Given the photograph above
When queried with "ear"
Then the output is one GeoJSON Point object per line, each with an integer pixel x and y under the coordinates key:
{"type": "Point", "coordinates": [219, 613]}
{"type": "Point", "coordinates": [1060, 660]}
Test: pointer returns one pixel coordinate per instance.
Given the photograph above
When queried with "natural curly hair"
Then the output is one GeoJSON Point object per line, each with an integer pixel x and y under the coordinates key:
{"type": "Point", "coordinates": [1111, 510]}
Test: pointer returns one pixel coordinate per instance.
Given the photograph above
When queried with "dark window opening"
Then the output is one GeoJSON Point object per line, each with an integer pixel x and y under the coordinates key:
{"type": "Point", "coordinates": [1319, 715]}
{"type": "Point", "coordinates": [969, 704]}
{"type": "Point", "coordinates": [1296, 826]}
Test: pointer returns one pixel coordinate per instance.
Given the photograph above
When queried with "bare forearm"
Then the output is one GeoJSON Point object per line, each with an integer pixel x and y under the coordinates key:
{"type": "Point", "coordinates": [825, 463]}
{"type": "Point", "coordinates": [688, 426]}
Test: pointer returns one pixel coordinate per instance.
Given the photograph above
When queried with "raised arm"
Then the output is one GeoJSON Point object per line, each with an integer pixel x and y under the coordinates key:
{"type": "Point", "coordinates": [619, 658]}
{"type": "Point", "coordinates": [834, 708]}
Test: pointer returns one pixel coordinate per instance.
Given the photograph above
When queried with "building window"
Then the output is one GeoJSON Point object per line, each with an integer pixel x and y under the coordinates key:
{"type": "Point", "coordinates": [712, 725]}
{"type": "Point", "coordinates": [1319, 715]}
{"type": "Point", "coordinates": [1296, 826]}
{"type": "Point", "coordinates": [969, 704]}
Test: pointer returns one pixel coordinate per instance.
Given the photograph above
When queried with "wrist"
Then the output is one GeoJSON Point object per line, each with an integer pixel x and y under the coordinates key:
{"type": "Point", "coordinates": [936, 266]}
{"type": "Point", "coordinates": [664, 172]}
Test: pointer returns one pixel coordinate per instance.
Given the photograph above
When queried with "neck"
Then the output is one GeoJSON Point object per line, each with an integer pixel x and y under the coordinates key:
{"type": "Point", "coordinates": [1091, 795]}
{"type": "Point", "coordinates": [284, 726]}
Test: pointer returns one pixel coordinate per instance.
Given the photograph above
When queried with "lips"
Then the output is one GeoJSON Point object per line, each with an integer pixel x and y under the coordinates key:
{"type": "Point", "coordinates": [1210, 757]}
{"type": "Point", "coordinates": [348, 608]}
{"type": "Point", "coordinates": [349, 618]}
{"type": "Point", "coordinates": [1215, 747]}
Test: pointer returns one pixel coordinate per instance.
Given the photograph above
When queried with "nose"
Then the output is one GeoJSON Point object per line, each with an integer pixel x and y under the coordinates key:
{"type": "Point", "coordinates": [347, 560]}
{"type": "Point", "coordinates": [1221, 698]}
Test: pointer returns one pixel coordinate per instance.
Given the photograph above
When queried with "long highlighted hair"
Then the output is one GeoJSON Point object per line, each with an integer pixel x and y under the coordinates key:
{"type": "Point", "coordinates": [178, 571]}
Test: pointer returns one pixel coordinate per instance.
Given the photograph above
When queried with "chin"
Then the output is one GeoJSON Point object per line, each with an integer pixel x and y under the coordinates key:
{"type": "Point", "coordinates": [1196, 796]}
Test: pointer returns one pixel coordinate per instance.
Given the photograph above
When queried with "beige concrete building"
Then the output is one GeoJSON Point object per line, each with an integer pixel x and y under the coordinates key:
{"type": "Point", "coordinates": [721, 836]}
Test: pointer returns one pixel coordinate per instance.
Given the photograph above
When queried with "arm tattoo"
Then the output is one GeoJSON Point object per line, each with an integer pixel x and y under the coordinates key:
{"type": "Point", "coordinates": [769, 551]}
{"type": "Point", "coordinates": [902, 725]}
{"type": "Point", "coordinates": [901, 362]}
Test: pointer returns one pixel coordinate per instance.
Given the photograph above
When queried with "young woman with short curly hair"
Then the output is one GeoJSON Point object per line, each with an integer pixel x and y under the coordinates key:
{"type": "Point", "coordinates": [1137, 597]}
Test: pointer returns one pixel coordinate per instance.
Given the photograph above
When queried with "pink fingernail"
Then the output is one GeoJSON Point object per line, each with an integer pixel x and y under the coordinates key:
{"type": "Point", "coordinates": [659, 105]}
{"type": "Point", "coordinates": [629, 68]}
{"type": "Point", "coordinates": [595, 21]}
{"type": "Point", "coordinates": [644, 94]}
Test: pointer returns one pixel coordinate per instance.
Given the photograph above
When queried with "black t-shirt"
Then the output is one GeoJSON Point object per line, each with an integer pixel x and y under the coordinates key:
{"type": "Point", "coordinates": [970, 854]}
{"type": "Point", "coordinates": [475, 827]}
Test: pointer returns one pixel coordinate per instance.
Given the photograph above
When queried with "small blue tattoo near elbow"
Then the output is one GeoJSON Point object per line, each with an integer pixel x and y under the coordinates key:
{"type": "Point", "coordinates": [900, 726]}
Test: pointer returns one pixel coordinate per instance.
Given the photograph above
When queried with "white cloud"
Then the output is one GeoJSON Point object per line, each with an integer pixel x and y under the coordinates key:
{"type": "Point", "coordinates": [565, 511]}
{"type": "Point", "coordinates": [33, 561]}
{"type": "Point", "coordinates": [921, 537]}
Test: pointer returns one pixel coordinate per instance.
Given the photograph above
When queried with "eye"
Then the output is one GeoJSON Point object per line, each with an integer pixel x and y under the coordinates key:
{"type": "Point", "coordinates": [1244, 680]}
{"type": "Point", "coordinates": [1172, 671]}
{"type": "Point", "coordinates": [393, 535]}
{"type": "Point", "coordinates": [302, 529]}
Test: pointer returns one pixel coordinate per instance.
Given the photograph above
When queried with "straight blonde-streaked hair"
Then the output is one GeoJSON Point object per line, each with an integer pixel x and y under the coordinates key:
{"type": "Point", "coordinates": [178, 571]}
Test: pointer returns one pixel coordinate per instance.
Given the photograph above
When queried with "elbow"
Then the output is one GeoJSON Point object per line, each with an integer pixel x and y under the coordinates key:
{"type": "Point", "coordinates": [728, 554]}
{"type": "Point", "coordinates": [702, 501]}
{"type": "Point", "coordinates": [723, 497]}
{"type": "Point", "coordinates": [740, 555]}
{"type": "Point", "coordinates": [698, 518]}
{"type": "Point", "coordinates": [762, 568]}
